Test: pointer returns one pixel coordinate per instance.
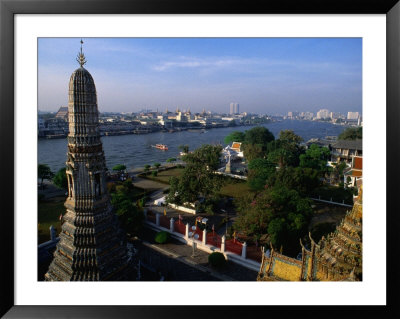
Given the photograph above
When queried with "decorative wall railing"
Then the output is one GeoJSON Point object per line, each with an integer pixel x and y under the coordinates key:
{"type": "Point", "coordinates": [210, 239]}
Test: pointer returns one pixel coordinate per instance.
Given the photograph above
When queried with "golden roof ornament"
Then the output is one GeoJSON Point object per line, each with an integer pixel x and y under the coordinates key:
{"type": "Point", "coordinates": [81, 57]}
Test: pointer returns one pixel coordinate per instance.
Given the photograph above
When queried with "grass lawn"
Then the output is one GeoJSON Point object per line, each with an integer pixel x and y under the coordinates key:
{"type": "Point", "coordinates": [235, 188]}
{"type": "Point", "coordinates": [164, 176]}
{"type": "Point", "coordinates": [48, 213]}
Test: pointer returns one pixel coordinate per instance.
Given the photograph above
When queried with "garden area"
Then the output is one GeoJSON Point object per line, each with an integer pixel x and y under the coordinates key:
{"type": "Point", "coordinates": [235, 188]}
{"type": "Point", "coordinates": [162, 175]}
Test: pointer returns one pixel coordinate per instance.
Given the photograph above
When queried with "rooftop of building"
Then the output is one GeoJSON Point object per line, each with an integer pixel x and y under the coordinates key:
{"type": "Point", "coordinates": [348, 144]}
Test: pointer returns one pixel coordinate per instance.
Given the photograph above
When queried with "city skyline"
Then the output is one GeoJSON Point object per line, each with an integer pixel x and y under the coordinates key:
{"type": "Point", "coordinates": [263, 75]}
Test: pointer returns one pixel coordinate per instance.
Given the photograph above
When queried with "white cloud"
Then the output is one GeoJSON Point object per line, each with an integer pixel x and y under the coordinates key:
{"type": "Point", "coordinates": [187, 62]}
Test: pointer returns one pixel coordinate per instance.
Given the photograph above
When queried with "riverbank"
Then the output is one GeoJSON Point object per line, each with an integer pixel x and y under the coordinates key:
{"type": "Point", "coordinates": [136, 151]}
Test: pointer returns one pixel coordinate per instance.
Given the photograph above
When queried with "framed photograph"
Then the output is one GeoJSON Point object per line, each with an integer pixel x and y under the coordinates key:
{"type": "Point", "coordinates": [32, 35]}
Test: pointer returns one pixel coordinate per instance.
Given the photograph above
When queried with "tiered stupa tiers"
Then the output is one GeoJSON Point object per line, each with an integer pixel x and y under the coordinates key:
{"type": "Point", "coordinates": [92, 246]}
{"type": "Point", "coordinates": [341, 252]}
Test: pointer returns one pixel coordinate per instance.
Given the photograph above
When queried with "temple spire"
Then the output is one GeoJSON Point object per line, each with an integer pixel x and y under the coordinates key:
{"type": "Point", "coordinates": [81, 57]}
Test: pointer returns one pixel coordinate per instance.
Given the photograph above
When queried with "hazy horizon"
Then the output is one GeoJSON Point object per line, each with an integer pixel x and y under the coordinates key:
{"type": "Point", "coordinates": [263, 75]}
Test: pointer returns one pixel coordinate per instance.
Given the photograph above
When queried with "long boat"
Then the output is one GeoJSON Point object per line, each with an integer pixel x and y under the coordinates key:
{"type": "Point", "coordinates": [161, 147]}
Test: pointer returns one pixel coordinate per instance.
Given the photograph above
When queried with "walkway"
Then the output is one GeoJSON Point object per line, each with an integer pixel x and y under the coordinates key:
{"type": "Point", "coordinates": [176, 263]}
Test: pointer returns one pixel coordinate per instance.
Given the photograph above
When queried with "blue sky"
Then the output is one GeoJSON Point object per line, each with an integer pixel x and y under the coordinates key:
{"type": "Point", "coordinates": [263, 75]}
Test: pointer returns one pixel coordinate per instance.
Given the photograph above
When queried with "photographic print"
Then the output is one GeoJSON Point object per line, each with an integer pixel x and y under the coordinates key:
{"type": "Point", "coordinates": [200, 159]}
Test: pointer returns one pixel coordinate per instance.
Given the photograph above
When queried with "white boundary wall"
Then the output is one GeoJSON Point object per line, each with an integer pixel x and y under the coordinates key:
{"type": "Point", "coordinates": [183, 209]}
{"type": "Point", "coordinates": [250, 264]}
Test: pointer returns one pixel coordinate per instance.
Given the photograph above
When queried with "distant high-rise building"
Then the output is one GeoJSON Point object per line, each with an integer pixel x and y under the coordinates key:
{"type": "Point", "coordinates": [335, 115]}
{"type": "Point", "coordinates": [323, 114]}
{"type": "Point", "coordinates": [234, 108]}
{"type": "Point", "coordinates": [292, 114]}
{"type": "Point", "coordinates": [353, 115]}
{"type": "Point", "coordinates": [306, 115]}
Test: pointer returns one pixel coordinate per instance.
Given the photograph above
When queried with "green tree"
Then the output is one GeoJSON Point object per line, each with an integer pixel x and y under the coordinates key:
{"type": "Point", "coordinates": [260, 170]}
{"type": "Point", "coordinates": [288, 136]}
{"type": "Point", "coordinates": [258, 135]}
{"type": "Point", "coordinates": [351, 133]}
{"type": "Point", "coordinates": [162, 237]}
{"type": "Point", "coordinates": [302, 179]}
{"type": "Point", "coordinates": [157, 165]}
{"type": "Point", "coordinates": [171, 159]}
{"type": "Point", "coordinates": [119, 168]}
{"type": "Point", "coordinates": [253, 151]}
{"type": "Point", "coordinates": [184, 148]}
{"type": "Point", "coordinates": [235, 136]}
{"type": "Point", "coordinates": [217, 259]}
{"type": "Point", "coordinates": [129, 214]}
{"type": "Point", "coordinates": [286, 232]}
{"type": "Point", "coordinates": [277, 211]}
{"type": "Point", "coordinates": [147, 167]}
{"type": "Point", "coordinates": [256, 141]}
{"type": "Point", "coordinates": [279, 155]}
{"type": "Point", "coordinates": [60, 179]}
{"type": "Point", "coordinates": [316, 157]}
{"type": "Point", "coordinates": [285, 151]}
{"type": "Point", "coordinates": [198, 178]}
{"type": "Point", "coordinates": [44, 172]}
{"type": "Point", "coordinates": [337, 172]}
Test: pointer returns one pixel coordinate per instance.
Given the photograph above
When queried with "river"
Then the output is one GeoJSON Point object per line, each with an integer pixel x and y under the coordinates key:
{"type": "Point", "coordinates": [135, 150]}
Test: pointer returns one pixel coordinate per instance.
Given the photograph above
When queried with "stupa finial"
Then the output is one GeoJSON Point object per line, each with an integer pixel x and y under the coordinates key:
{"type": "Point", "coordinates": [81, 57]}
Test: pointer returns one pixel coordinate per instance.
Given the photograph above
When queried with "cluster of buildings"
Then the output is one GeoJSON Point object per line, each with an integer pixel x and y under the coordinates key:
{"type": "Point", "coordinates": [187, 119]}
{"type": "Point", "coordinates": [54, 125]}
{"type": "Point", "coordinates": [146, 121]}
{"type": "Point", "coordinates": [326, 115]}
{"type": "Point", "coordinates": [349, 152]}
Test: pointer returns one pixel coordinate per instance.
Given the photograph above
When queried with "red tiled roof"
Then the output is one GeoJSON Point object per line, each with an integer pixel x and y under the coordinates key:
{"type": "Point", "coordinates": [236, 145]}
{"type": "Point", "coordinates": [355, 173]}
{"type": "Point", "coordinates": [357, 162]}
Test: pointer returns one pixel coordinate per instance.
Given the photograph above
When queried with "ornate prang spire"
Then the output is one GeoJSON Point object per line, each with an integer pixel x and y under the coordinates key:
{"type": "Point", "coordinates": [81, 57]}
{"type": "Point", "coordinates": [92, 245]}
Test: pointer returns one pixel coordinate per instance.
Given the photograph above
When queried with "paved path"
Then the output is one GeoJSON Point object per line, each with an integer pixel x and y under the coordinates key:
{"type": "Point", "coordinates": [176, 263]}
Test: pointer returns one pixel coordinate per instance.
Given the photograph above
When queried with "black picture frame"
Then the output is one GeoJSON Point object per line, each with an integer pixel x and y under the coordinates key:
{"type": "Point", "coordinates": [9, 8]}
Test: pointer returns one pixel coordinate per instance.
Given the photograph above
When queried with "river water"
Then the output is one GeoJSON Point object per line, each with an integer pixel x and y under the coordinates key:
{"type": "Point", "coordinates": [135, 150]}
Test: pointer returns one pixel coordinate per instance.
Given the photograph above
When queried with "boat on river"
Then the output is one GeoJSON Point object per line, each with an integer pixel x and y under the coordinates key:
{"type": "Point", "coordinates": [161, 147]}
